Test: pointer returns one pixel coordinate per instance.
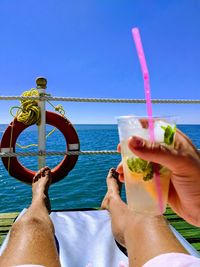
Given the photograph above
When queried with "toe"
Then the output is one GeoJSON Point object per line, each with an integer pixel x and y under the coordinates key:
{"type": "Point", "coordinates": [37, 176]}
{"type": "Point", "coordinates": [47, 172]}
{"type": "Point", "coordinates": [110, 172]}
{"type": "Point", "coordinates": [42, 171]}
{"type": "Point", "coordinates": [46, 168]}
{"type": "Point", "coordinates": [115, 174]}
{"type": "Point", "coordinates": [113, 183]}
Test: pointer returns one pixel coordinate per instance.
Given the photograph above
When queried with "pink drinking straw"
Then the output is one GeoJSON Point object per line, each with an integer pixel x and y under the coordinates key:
{"type": "Point", "coordinates": [147, 88]}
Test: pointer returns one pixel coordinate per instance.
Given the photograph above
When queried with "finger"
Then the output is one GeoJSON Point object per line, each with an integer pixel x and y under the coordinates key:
{"type": "Point", "coordinates": [184, 143]}
{"type": "Point", "coordinates": [119, 148]}
{"type": "Point", "coordinates": [155, 152]}
{"type": "Point", "coordinates": [121, 178]}
{"type": "Point", "coordinates": [120, 170]}
{"type": "Point", "coordinates": [144, 122]}
{"type": "Point", "coordinates": [120, 167]}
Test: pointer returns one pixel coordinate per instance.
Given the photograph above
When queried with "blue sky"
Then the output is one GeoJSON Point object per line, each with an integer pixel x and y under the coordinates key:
{"type": "Point", "coordinates": [85, 49]}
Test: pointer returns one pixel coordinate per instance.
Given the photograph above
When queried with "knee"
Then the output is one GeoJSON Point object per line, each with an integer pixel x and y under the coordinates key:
{"type": "Point", "coordinates": [32, 223]}
{"type": "Point", "coordinates": [25, 222]}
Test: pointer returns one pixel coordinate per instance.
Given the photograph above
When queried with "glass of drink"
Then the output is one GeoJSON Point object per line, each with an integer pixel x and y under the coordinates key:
{"type": "Point", "coordinates": [140, 175]}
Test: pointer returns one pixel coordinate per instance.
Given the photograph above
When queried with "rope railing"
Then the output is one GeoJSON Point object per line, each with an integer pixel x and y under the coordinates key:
{"type": "Point", "coordinates": [79, 99]}
{"type": "Point", "coordinates": [103, 100]}
{"type": "Point", "coordinates": [57, 153]}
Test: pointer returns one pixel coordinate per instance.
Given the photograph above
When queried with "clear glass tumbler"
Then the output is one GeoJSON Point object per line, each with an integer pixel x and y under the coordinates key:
{"type": "Point", "coordinates": [140, 175]}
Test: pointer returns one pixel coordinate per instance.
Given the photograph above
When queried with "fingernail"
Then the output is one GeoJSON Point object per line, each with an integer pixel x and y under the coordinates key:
{"type": "Point", "coordinates": [137, 142]}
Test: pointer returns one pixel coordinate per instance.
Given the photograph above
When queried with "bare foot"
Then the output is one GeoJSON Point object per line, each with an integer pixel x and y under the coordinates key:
{"type": "Point", "coordinates": [114, 204]}
{"type": "Point", "coordinates": [113, 188]}
{"type": "Point", "coordinates": [40, 186]}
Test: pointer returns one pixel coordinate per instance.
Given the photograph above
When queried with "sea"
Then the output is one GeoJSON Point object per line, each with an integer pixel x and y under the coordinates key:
{"type": "Point", "coordinates": [85, 185]}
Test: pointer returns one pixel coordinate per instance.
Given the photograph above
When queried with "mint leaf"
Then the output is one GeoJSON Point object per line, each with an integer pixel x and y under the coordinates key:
{"type": "Point", "coordinates": [148, 175]}
{"type": "Point", "coordinates": [137, 165]}
{"type": "Point", "coordinates": [144, 167]}
{"type": "Point", "coordinates": [169, 134]}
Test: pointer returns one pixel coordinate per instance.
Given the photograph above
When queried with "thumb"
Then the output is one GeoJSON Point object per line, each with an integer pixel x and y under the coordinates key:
{"type": "Point", "coordinates": [154, 152]}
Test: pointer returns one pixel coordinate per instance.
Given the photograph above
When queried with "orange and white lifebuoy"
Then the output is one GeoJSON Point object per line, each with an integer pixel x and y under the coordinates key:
{"type": "Point", "coordinates": [17, 170]}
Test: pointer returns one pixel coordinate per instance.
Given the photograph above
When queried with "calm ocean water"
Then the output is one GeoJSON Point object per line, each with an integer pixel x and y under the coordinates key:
{"type": "Point", "coordinates": [85, 185]}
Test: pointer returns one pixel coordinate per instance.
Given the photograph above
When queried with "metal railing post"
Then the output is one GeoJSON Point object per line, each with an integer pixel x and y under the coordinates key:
{"type": "Point", "coordinates": [41, 86]}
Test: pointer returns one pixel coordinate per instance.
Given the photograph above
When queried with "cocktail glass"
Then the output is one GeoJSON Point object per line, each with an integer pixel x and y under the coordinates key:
{"type": "Point", "coordinates": [140, 175]}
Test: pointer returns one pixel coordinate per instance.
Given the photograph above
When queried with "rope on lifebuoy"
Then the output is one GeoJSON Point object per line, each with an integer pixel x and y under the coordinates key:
{"type": "Point", "coordinates": [29, 112]}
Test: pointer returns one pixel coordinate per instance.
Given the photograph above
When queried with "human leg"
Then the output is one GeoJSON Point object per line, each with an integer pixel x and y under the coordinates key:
{"type": "Point", "coordinates": [32, 236]}
{"type": "Point", "coordinates": [114, 204]}
{"type": "Point", "coordinates": [144, 236]}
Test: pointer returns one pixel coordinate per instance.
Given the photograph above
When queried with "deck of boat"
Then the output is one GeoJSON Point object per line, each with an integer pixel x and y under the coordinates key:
{"type": "Point", "coordinates": [190, 233]}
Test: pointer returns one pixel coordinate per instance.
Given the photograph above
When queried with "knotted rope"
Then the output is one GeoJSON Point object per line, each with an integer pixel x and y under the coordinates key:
{"type": "Point", "coordinates": [29, 112]}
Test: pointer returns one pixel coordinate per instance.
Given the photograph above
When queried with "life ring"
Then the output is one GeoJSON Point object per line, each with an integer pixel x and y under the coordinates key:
{"type": "Point", "coordinates": [17, 170]}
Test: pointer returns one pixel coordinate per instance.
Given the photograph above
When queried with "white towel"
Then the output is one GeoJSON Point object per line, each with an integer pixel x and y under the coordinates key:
{"type": "Point", "coordinates": [85, 238]}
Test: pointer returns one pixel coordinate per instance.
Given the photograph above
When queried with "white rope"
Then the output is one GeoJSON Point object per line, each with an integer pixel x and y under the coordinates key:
{"type": "Point", "coordinates": [78, 99]}
{"type": "Point", "coordinates": [104, 100]}
{"type": "Point", "coordinates": [57, 153]}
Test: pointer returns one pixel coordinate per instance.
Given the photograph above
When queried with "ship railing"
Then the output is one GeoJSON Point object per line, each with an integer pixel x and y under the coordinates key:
{"type": "Point", "coordinates": [43, 153]}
